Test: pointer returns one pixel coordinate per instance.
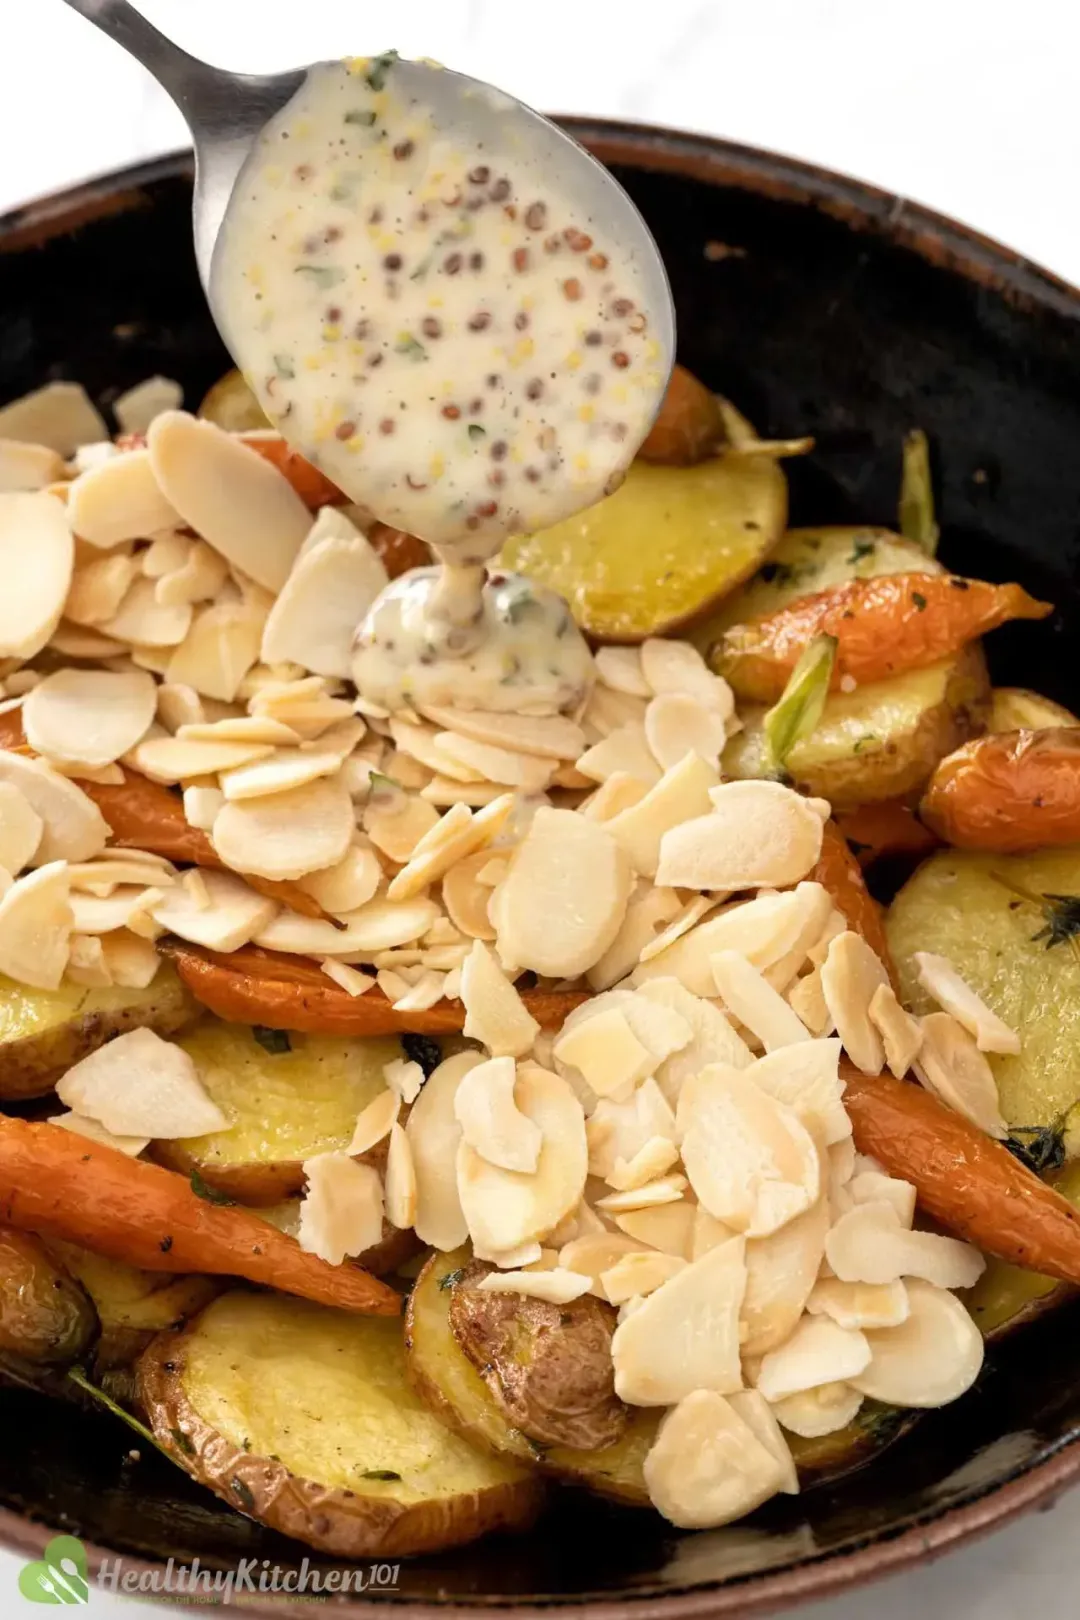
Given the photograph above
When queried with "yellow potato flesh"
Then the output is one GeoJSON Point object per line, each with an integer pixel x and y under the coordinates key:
{"type": "Point", "coordinates": [1012, 708]}
{"type": "Point", "coordinates": [232, 405]}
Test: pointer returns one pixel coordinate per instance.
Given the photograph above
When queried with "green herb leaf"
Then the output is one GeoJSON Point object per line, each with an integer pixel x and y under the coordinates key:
{"type": "Point", "coordinates": [1039, 1147]}
{"type": "Point", "coordinates": [380, 67]}
{"type": "Point", "coordinates": [209, 1195]}
{"type": "Point", "coordinates": [1061, 914]}
{"type": "Point", "coordinates": [323, 275]}
{"type": "Point", "coordinates": [274, 1041]}
{"type": "Point", "coordinates": [380, 1473]}
{"type": "Point", "coordinates": [476, 431]}
{"type": "Point", "coordinates": [799, 707]}
{"type": "Point", "coordinates": [917, 521]}
{"type": "Point", "coordinates": [411, 346]}
{"type": "Point", "coordinates": [79, 1378]}
{"type": "Point", "coordinates": [919, 600]}
{"type": "Point", "coordinates": [364, 116]}
{"type": "Point", "coordinates": [859, 549]}
{"type": "Point", "coordinates": [451, 1279]}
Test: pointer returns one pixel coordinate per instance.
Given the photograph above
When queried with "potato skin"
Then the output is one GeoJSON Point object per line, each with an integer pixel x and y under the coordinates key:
{"type": "Point", "coordinates": [1014, 708]}
{"type": "Point", "coordinates": [45, 1316]}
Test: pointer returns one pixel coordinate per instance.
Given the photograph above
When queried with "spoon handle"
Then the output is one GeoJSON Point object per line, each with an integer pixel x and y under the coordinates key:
{"type": "Point", "coordinates": [188, 81]}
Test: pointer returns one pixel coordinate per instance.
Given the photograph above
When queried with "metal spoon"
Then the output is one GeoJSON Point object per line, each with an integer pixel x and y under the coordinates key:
{"type": "Point", "coordinates": [226, 111]}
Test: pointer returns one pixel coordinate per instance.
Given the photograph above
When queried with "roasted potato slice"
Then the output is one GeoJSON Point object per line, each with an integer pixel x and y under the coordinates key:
{"type": "Point", "coordinates": [45, 1316]}
{"type": "Point", "coordinates": [1006, 1296]}
{"type": "Point", "coordinates": [287, 1097]}
{"type": "Point", "coordinates": [881, 741]}
{"type": "Point", "coordinates": [1013, 708]}
{"type": "Point", "coordinates": [233, 406]}
{"type": "Point", "coordinates": [43, 1032]}
{"type": "Point", "coordinates": [131, 1305]}
{"type": "Point", "coordinates": [548, 1367]}
{"type": "Point", "coordinates": [665, 547]}
{"type": "Point", "coordinates": [303, 1418]}
{"type": "Point", "coordinates": [444, 1376]}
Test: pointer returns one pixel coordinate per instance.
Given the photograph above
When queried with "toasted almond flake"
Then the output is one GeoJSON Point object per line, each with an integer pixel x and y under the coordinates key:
{"type": "Point", "coordinates": [132, 961]}
{"type": "Point", "coordinates": [443, 793]}
{"type": "Point", "coordinates": [528, 773]}
{"type": "Point", "coordinates": [750, 1160]}
{"type": "Point", "coordinates": [347, 978]}
{"type": "Point", "coordinates": [452, 838]}
{"type": "Point", "coordinates": [667, 1189]}
{"type": "Point", "coordinates": [36, 540]}
{"type": "Point", "coordinates": [901, 1034]}
{"type": "Point", "coordinates": [201, 806]}
{"type": "Point", "coordinates": [687, 917]}
{"type": "Point", "coordinates": [140, 618]}
{"type": "Point", "coordinates": [859, 1305]}
{"type": "Point", "coordinates": [86, 962]}
{"type": "Point", "coordinates": [835, 925]}
{"type": "Point", "coordinates": [245, 728]}
{"type": "Point", "coordinates": [619, 668]}
{"type": "Point", "coordinates": [495, 1014]}
{"type": "Point", "coordinates": [620, 1130]}
{"type": "Point", "coordinates": [380, 925]}
{"type": "Point", "coordinates": [648, 909]}
{"type": "Point", "coordinates": [712, 1039]}
{"type": "Point", "coordinates": [73, 828]}
{"type": "Point", "coordinates": [396, 821]}
{"type": "Point", "coordinates": [94, 1131]}
{"type": "Point", "coordinates": [680, 795]}
{"type": "Point", "coordinates": [137, 407]}
{"type": "Point", "coordinates": [607, 711]}
{"type": "Point", "coordinates": [606, 1053]}
{"type": "Point", "coordinates": [807, 1001]}
{"type": "Point", "coordinates": [427, 992]}
{"type": "Point", "coordinates": [806, 1077]}
{"type": "Point", "coordinates": [404, 1078]}
{"type": "Point", "coordinates": [70, 641]}
{"type": "Point", "coordinates": [818, 1352]}
{"type": "Point", "coordinates": [707, 1467]}
{"type": "Point", "coordinates": [167, 552]}
{"type": "Point", "coordinates": [677, 666]}
{"type": "Point", "coordinates": [636, 1275]}
{"type": "Point", "coordinates": [229, 495]}
{"type": "Point", "coordinates": [814, 1413]}
{"type": "Point", "coordinates": [141, 1085]}
{"type": "Point", "coordinates": [434, 1135]}
{"type": "Point", "coordinates": [677, 725]}
{"type": "Point", "coordinates": [21, 829]}
{"type": "Point", "coordinates": [869, 1245]}
{"type": "Point", "coordinates": [178, 705]}
{"type": "Point", "coordinates": [557, 1286]}
{"type": "Point", "coordinates": [284, 769]}
{"type": "Point", "coordinates": [564, 898]}
{"type": "Point", "coordinates": [373, 1123]}
{"type": "Point", "coordinates": [218, 649]}
{"type": "Point", "coordinates": [874, 1186]}
{"type": "Point", "coordinates": [617, 793]}
{"type": "Point", "coordinates": [329, 590]}
{"type": "Point", "coordinates": [764, 930]}
{"type": "Point", "coordinates": [419, 743]}
{"type": "Point", "coordinates": [234, 915]}
{"type": "Point", "coordinates": [94, 915]}
{"type": "Point", "coordinates": [651, 1161]}
{"type": "Point", "coordinates": [667, 1227]}
{"type": "Point", "coordinates": [60, 415]}
{"type": "Point", "coordinates": [685, 1335]}
{"type": "Point", "coordinates": [624, 752]}
{"type": "Point", "coordinates": [504, 1208]}
{"type": "Point", "coordinates": [940, 979]}
{"type": "Point", "coordinates": [466, 897]}
{"type": "Point", "coordinates": [521, 1258]}
{"type": "Point", "coordinates": [347, 885]}
{"type": "Point", "coordinates": [28, 467]}
{"type": "Point", "coordinates": [748, 997]}
{"type": "Point", "coordinates": [951, 1066]}
{"type": "Point", "coordinates": [155, 659]}
{"type": "Point", "coordinates": [175, 759]}
{"type": "Point", "coordinates": [198, 579]}
{"type": "Point", "coordinates": [98, 588]}
{"type": "Point", "coordinates": [400, 1180]}
{"type": "Point", "coordinates": [850, 976]}
{"type": "Point", "coordinates": [932, 1358]}
{"type": "Point", "coordinates": [118, 500]}
{"type": "Point", "coordinates": [781, 1271]}
{"type": "Point", "coordinates": [89, 716]}
{"type": "Point", "coordinates": [550, 736]}
{"type": "Point", "coordinates": [707, 1232]}
{"type": "Point", "coordinates": [758, 834]}
{"type": "Point", "coordinates": [287, 835]}
{"type": "Point", "coordinates": [595, 1253]}
{"type": "Point", "coordinates": [341, 1212]}
{"type": "Point", "coordinates": [491, 1121]}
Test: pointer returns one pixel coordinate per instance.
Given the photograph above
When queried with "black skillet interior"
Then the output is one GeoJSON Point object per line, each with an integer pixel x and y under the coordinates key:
{"type": "Point", "coordinates": [801, 297]}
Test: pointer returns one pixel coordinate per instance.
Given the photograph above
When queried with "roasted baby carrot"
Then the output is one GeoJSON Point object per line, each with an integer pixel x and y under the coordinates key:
{"type": "Point", "coordinates": [1011, 791]}
{"type": "Point", "coordinates": [399, 550]}
{"type": "Point", "coordinates": [838, 871]}
{"type": "Point", "coordinates": [882, 627]}
{"type": "Point", "coordinates": [689, 425]}
{"type": "Point", "coordinates": [63, 1186]}
{"type": "Point", "coordinates": [965, 1180]}
{"type": "Point", "coordinates": [888, 828]}
{"type": "Point", "coordinates": [312, 486]}
{"type": "Point", "coordinates": [252, 986]}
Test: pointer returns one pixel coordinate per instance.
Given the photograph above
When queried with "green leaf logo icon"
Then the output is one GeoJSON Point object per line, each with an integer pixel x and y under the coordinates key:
{"type": "Point", "coordinates": [59, 1577]}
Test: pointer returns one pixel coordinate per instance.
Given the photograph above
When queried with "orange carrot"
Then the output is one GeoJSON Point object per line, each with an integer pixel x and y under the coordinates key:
{"type": "Point", "coordinates": [882, 627]}
{"type": "Point", "coordinates": [398, 550]}
{"type": "Point", "coordinates": [689, 425]}
{"type": "Point", "coordinates": [965, 1180]}
{"type": "Point", "coordinates": [1010, 791]}
{"type": "Point", "coordinates": [887, 828]}
{"type": "Point", "coordinates": [838, 871]}
{"type": "Point", "coordinates": [253, 986]}
{"type": "Point", "coordinates": [312, 486]}
{"type": "Point", "coordinates": [63, 1186]}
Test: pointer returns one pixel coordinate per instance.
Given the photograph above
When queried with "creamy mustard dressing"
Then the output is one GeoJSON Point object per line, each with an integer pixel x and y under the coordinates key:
{"type": "Point", "coordinates": [432, 323]}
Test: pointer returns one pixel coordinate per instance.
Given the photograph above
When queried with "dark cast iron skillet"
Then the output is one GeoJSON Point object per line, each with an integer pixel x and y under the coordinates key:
{"type": "Point", "coordinates": [820, 306]}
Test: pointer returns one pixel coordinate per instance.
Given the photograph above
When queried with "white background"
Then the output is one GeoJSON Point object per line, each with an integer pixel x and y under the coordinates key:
{"type": "Point", "coordinates": [970, 106]}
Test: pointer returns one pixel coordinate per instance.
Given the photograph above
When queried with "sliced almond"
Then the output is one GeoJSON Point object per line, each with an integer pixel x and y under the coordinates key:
{"type": "Point", "coordinates": [142, 619]}
{"type": "Point", "coordinates": [607, 711]}
{"type": "Point", "coordinates": [505, 1208]}
{"type": "Point", "coordinates": [176, 759]}
{"type": "Point", "coordinates": [951, 1066]}
{"type": "Point", "coordinates": [619, 668]}
{"type": "Point", "coordinates": [178, 705]}
{"type": "Point", "coordinates": [712, 1039]}
{"type": "Point", "coordinates": [564, 898]}
{"type": "Point", "coordinates": [36, 540]}
{"type": "Point", "coordinates": [444, 793]}
{"type": "Point", "coordinates": [667, 1189]}
{"type": "Point", "coordinates": [850, 976]}
{"type": "Point", "coordinates": [89, 716]}
{"type": "Point", "coordinates": [750, 1160]}
{"type": "Point", "coordinates": [347, 885]}
{"type": "Point", "coordinates": [677, 666]}
{"type": "Point", "coordinates": [284, 769]}
{"type": "Point", "coordinates": [596, 1253]}
{"type": "Point", "coordinates": [328, 592]}
{"type": "Point", "coordinates": [758, 834]}
{"type": "Point", "coordinates": [781, 1271]}
{"type": "Point", "coordinates": [201, 806]}
{"type": "Point", "coordinates": [168, 551]}
{"type": "Point", "coordinates": [491, 1121]}
{"type": "Point", "coordinates": [667, 1227]}
{"type": "Point", "coordinates": [624, 752]}
{"type": "Point", "coordinates": [807, 1001]}
{"type": "Point", "coordinates": [620, 1130]}
{"type": "Point", "coordinates": [606, 1053]}
{"type": "Point", "coordinates": [495, 1014]}
{"type": "Point", "coordinates": [550, 736]}
{"type": "Point", "coordinates": [400, 1180]}
{"type": "Point", "coordinates": [651, 1161]}
{"type": "Point", "coordinates": [98, 588]}
{"type": "Point", "coordinates": [466, 897]}
{"type": "Point", "coordinates": [373, 1123]}
{"type": "Point", "coordinates": [73, 828]}
{"type": "Point", "coordinates": [932, 1358]}
{"type": "Point", "coordinates": [94, 1131]}
{"type": "Point", "coordinates": [86, 962]}
{"type": "Point", "coordinates": [647, 911]}
{"type": "Point", "coordinates": [752, 1001]}
{"type": "Point", "coordinates": [677, 725]}
{"type": "Point", "coordinates": [347, 978]}
{"type": "Point", "coordinates": [940, 979]}
{"type": "Point", "coordinates": [36, 924]}
{"type": "Point", "coordinates": [814, 1413]}
{"type": "Point", "coordinates": [707, 1233]}
{"type": "Point", "coordinates": [198, 579]}
{"type": "Point", "coordinates": [685, 1335]}
{"type": "Point", "coordinates": [869, 1245]}
{"type": "Point", "coordinates": [680, 795]}
{"type": "Point", "coordinates": [557, 1286]}
{"type": "Point", "coordinates": [637, 1275]}
{"type": "Point", "coordinates": [419, 743]}
{"type": "Point", "coordinates": [140, 1085]}
{"type": "Point", "coordinates": [137, 407]}
{"type": "Point", "coordinates": [93, 914]}
{"type": "Point", "coordinates": [245, 728]}
{"type": "Point", "coordinates": [396, 821]}
{"type": "Point", "coordinates": [901, 1034]}
{"type": "Point", "coordinates": [873, 1186]}
{"type": "Point", "coordinates": [380, 925]}
{"type": "Point", "coordinates": [70, 641]}
{"type": "Point", "coordinates": [27, 467]}
{"type": "Point", "coordinates": [452, 838]}
{"type": "Point", "coordinates": [287, 835]}
{"type": "Point", "coordinates": [818, 1352]}
{"type": "Point", "coordinates": [21, 829]}
{"type": "Point", "coordinates": [231, 496]}
{"type": "Point", "coordinates": [527, 772]}
{"type": "Point", "coordinates": [859, 1305]}
{"type": "Point", "coordinates": [218, 648]}
{"type": "Point", "coordinates": [617, 793]}
{"type": "Point", "coordinates": [764, 931]}
{"type": "Point", "coordinates": [119, 499]}
{"type": "Point", "coordinates": [434, 1136]}
{"type": "Point", "coordinates": [707, 1467]}
{"type": "Point", "coordinates": [405, 1079]}
{"type": "Point", "coordinates": [60, 415]}
{"type": "Point", "coordinates": [234, 916]}
{"type": "Point", "coordinates": [132, 961]}
{"type": "Point", "coordinates": [806, 1077]}
{"type": "Point", "coordinates": [341, 1212]}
